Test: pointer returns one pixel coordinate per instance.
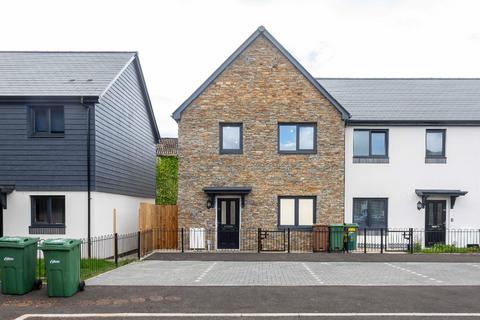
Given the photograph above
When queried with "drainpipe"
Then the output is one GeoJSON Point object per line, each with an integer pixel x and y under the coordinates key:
{"type": "Point", "coordinates": [89, 198]}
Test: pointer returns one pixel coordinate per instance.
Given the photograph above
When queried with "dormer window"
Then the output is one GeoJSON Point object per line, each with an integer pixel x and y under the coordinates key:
{"type": "Point", "coordinates": [47, 121]}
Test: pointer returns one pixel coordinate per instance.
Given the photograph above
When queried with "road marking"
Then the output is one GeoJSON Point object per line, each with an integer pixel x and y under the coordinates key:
{"type": "Point", "coordinates": [240, 315]}
{"type": "Point", "coordinates": [204, 273]}
{"type": "Point", "coordinates": [312, 273]}
{"type": "Point", "coordinates": [413, 272]}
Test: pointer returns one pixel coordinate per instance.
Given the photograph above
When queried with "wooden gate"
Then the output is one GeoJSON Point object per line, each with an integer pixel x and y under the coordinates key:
{"type": "Point", "coordinates": [158, 226]}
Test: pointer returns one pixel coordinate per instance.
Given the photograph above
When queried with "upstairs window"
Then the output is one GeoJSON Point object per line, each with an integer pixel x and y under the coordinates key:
{"type": "Point", "coordinates": [231, 140]}
{"type": "Point", "coordinates": [297, 138]}
{"type": "Point", "coordinates": [370, 143]}
{"type": "Point", "coordinates": [48, 211]}
{"type": "Point", "coordinates": [370, 212]}
{"type": "Point", "coordinates": [47, 121]}
{"type": "Point", "coordinates": [435, 143]}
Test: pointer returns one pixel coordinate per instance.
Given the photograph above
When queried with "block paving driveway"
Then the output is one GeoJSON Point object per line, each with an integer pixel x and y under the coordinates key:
{"type": "Point", "coordinates": [296, 273]}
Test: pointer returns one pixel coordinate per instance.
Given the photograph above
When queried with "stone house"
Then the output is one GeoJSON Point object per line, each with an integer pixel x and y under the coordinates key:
{"type": "Point", "coordinates": [263, 144]}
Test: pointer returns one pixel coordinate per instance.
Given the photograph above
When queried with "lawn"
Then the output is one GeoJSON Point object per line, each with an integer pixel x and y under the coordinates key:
{"type": "Point", "coordinates": [90, 267]}
{"type": "Point", "coordinates": [445, 248]}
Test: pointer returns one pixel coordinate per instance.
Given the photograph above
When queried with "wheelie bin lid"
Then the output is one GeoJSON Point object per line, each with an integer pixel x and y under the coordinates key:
{"type": "Point", "coordinates": [17, 242]}
{"type": "Point", "coordinates": [60, 244]}
{"type": "Point", "coordinates": [336, 226]}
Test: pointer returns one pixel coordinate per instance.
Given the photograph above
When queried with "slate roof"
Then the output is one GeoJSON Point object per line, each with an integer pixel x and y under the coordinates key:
{"type": "Point", "coordinates": [60, 73]}
{"type": "Point", "coordinates": [167, 147]}
{"type": "Point", "coordinates": [428, 100]}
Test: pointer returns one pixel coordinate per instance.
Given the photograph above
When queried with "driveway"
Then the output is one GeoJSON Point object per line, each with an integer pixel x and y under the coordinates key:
{"type": "Point", "coordinates": [297, 273]}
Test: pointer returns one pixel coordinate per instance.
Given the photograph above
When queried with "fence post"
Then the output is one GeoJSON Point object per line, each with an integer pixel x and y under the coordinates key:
{"type": "Point", "coordinates": [183, 249]}
{"type": "Point", "coordinates": [288, 240]}
{"type": "Point", "coordinates": [139, 254]}
{"type": "Point", "coordinates": [116, 249]}
{"type": "Point", "coordinates": [259, 240]}
{"type": "Point", "coordinates": [365, 240]}
{"type": "Point", "coordinates": [381, 240]}
{"type": "Point", "coordinates": [410, 231]}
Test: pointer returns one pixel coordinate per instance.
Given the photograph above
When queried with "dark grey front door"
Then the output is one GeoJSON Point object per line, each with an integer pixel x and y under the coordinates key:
{"type": "Point", "coordinates": [228, 223]}
{"type": "Point", "coordinates": [1, 220]}
{"type": "Point", "coordinates": [435, 219]}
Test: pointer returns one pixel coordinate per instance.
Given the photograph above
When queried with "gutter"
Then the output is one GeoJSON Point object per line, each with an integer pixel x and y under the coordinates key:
{"type": "Point", "coordinates": [88, 106]}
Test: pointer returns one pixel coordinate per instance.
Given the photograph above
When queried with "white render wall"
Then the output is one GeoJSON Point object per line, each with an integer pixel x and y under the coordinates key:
{"type": "Point", "coordinates": [408, 171]}
{"type": "Point", "coordinates": [17, 218]}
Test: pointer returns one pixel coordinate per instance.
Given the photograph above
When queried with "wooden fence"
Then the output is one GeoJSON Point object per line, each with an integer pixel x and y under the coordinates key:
{"type": "Point", "coordinates": [152, 219]}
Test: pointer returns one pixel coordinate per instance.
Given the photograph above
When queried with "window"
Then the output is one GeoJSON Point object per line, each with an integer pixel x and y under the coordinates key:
{"type": "Point", "coordinates": [435, 143]}
{"type": "Point", "coordinates": [370, 212]}
{"type": "Point", "coordinates": [47, 121]}
{"type": "Point", "coordinates": [48, 211]}
{"type": "Point", "coordinates": [370, 143]}
{"type": "Point", "coordinates": [297, 138]}
{"type": "Point", "coordinates": [296, 211]}
{"type": "Point", "coordinates": [231, 140]}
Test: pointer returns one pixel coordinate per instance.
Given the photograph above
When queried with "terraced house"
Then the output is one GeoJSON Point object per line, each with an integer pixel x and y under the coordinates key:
{"type": "Point", "coordinates": [77, 140]}
{"type": "Point", "coordinates": [262, 143]}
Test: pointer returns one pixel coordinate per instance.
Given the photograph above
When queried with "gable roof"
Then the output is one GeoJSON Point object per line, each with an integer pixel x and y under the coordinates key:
{"type": "Point", "coordinates": [167, 147]}
{"type": "Point", "coordinates": [60, 73]}
{"type": "Point", "coordinates": [65, 74]}
{"type": "Point", "coordinates": [409, 100]}
{"type": "Point", "coordinates": [260, 31]}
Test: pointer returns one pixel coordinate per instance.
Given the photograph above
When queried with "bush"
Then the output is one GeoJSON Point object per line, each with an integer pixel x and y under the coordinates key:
{"type": "Point", "coordinates": [167, 173]}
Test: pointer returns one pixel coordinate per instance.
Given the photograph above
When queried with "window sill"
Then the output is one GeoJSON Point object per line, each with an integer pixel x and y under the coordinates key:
{"type": "Point", "coordinates": [370, 160]}
{"type": "Point", "coordinates": [435, 160]}
{"type": "Point", "coordinates": [297, 152]}
{"type": "Point", "coordinates": [47, 229]}
{"type": "Point", "coordinates": [53, 135]}
{"type": "Point", "coordinates": [222, 152]}
{"type": "Point", "coordinates": [295, 228]}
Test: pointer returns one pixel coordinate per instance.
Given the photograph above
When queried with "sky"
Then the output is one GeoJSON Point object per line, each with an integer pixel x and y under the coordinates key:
{"type": "Point", "coordinates": [181, 42]}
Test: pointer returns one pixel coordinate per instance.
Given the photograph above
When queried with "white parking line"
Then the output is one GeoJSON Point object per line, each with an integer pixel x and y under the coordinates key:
{"type": "Point", "coordinates": [242, 315]}
{"type": "Point", "coordinates": [204, 273]}
{"type": "Point", "coordinates": [412, 272]}
{"type": "Point", "coordinates": [312, 273]}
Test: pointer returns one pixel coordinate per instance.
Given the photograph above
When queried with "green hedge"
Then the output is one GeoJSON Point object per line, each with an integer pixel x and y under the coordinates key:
{"type": "Point", "coordinates": [167, 173]}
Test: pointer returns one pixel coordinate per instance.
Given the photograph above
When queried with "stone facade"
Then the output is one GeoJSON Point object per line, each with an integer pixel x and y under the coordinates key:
{"type": "Point", "coordinates": [260, 89]}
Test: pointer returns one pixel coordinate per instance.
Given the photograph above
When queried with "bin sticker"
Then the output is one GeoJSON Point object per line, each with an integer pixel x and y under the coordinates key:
{"type": "Point", "coordinates": [53, 261]}
{"type": "Point", "coordinates": [7, 259]}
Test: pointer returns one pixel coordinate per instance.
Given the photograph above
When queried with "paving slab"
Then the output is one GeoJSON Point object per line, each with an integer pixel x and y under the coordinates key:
{"type": "Point", "coordinates": [274, 273]}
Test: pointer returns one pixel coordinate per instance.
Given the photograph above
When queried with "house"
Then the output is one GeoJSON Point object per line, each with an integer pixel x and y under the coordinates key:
{"type": "Point", "coordinates": [167, 147]}
{"type": "Point", "coordinates": [77, 140]}
{"type": "Point", "coordinates": [264, 144]}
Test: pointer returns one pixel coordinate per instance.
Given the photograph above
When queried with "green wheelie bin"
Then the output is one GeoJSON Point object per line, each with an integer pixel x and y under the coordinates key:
{"type": "Point", "coordinates": [18, 260]}
{"type": "Point", "coordinates": [62, 265]}
{"type": "Point", "coordinates": [352, 229]}
{"type": "Point", "coordinates": [335, 237]}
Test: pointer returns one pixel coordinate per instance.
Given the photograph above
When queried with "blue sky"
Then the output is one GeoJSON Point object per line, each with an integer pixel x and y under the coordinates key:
{"type": "Point", "coordinates": [182, 42]}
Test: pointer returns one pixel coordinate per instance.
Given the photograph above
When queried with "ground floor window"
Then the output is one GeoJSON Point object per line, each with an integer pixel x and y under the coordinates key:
{"type": "Point", "coordinates": [48, 211]}
{"type": "Point", "coordinates": [296, 211]}
{"type": "Point", "coordinates": [370, 212]}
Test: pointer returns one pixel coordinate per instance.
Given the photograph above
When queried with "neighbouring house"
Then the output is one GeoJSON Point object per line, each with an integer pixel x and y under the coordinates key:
{"type": "Point", "coordinates": [167, 171]}
{"type": "Point", "coordinates": [77, 140]}
{"type": "Point", "coordinates": [263, 144]}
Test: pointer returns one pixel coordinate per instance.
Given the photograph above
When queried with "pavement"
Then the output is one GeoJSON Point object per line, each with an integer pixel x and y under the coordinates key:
{"type": "Point", "coordinates": [315, 257]}
{"type": "Point", "coordinates": [266, 289]}
{"type": "Point", "coordinates": [296, 273]}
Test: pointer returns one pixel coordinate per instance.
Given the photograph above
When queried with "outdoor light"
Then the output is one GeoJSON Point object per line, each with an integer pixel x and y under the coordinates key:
{"type": "Point", "coordinates": [209, 204]}
{"type": "Point", "coordinates": [420, 205]}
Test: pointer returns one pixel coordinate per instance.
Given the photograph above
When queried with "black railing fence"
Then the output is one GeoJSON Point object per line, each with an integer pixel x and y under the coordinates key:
{"type": "Point", "coordinates": [373, 240]}
{"type": "Point", "coordinates": [103, 253]}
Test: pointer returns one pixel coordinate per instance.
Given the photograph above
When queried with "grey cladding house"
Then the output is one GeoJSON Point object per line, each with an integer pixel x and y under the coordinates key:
{"type": "Point", "coordinates": [77, 140]}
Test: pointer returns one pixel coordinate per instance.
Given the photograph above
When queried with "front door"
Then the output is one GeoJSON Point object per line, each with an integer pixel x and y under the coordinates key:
{"type": "Point", "coordinates": [228, 223]}
{"type": "Point", "coordinates": [435, 218]}
{"type": "Point", "coordinates": [1, 220]}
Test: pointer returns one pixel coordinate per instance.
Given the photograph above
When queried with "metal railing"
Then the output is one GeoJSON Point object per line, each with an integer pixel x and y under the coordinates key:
{"type": "Point", "coordinates": [366, 240]}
